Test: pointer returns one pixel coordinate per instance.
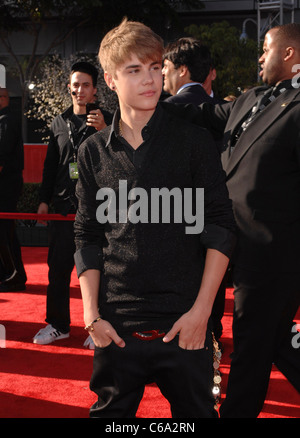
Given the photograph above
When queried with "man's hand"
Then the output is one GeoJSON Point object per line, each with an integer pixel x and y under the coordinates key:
{"type": "Point", "coordinates": [43, 209]}
{"type": "Point", "coordinates": [104, 333]}
{"type": "Point", "coordinates": [96, 120]}
{"type": "Point", "coordinates": [191, 327]}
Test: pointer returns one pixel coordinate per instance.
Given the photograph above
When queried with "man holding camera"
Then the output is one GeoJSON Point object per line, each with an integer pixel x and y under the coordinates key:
{"type": "Point", "coordinates": [68, 130]}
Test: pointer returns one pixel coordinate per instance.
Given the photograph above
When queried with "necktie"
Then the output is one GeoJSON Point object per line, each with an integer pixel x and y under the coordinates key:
{"type": "Point", "coordinates": [267, 97]}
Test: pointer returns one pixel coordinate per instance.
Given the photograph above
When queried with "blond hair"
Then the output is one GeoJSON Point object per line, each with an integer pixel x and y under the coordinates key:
{"type": "Point", "coordinates": [130, 37]}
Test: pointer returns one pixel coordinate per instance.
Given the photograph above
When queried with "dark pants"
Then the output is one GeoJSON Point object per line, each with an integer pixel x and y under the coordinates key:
{"type": "Point", "coordinates": [61, 264]}
{"type": "Point", "coordinates": [265, 306]}
{"type": "Point", "coordinates": [185, 378]}
{"type": "Point", "coordinates": [10, 249]}
{"type": "Point", "coordinates": [10, 253]}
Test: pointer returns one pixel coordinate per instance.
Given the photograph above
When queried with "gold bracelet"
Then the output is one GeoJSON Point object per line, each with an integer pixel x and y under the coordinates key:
{"type": "Point", "coordinates": [90, 327]}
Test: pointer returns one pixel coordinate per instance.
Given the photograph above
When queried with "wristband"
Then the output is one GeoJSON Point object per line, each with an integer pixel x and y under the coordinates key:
{"type": "Point", "coordinates": [90, 327]}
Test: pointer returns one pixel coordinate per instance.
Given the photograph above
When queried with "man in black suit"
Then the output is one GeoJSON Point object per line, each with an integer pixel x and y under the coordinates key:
{"type": "Point", "coordinates": [187, 65]}
{"type": "Point", "coordinates": [261, 158]}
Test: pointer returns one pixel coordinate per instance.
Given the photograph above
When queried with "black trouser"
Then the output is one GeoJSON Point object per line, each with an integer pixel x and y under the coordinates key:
{"type": "Point", "coordinates": [264, 308]}
{"type": "Point", "coordinates": [10, 253]}
{"type": "Point", "coordinates": [185, 378]}
{"type": "Point", "coordinates": [61, 264]}
{"type": "Point", "coordinates": [10, 249]}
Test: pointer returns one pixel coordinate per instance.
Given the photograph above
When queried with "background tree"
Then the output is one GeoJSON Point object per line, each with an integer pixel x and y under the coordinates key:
{"type": "Point", "coordinates": [50, 97]}
{"type": "Point", "coordinates": [235, 60]}
{"type": "Point", "coordinates": [34, 16]}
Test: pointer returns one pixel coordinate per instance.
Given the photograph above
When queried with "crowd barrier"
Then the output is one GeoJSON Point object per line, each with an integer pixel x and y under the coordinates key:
{"type": "Point", "coordinates": [31, 228]}
{"type": "Point", "coordinates": [37, 217]}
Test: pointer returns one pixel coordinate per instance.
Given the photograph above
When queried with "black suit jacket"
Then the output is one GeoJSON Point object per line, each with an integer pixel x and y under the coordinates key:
{"type": "Point", "coordinates": [194, 94]}
{"type": "Point", "coordinates": [263, 176]}
{"type": "Point", "coordinates": [11, 159]}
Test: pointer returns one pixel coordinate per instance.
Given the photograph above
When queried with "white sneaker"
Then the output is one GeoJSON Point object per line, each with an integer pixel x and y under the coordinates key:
{"type": "Point", "coordinates": [49, 334]}
{"type": "Point", "coordinates": [89, 343]}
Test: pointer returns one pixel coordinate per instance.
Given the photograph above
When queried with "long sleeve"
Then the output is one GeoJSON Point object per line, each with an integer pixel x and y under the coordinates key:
{"type": "Point", "coordinates": [219, 224]}
{"type": "Point", "coordinates": [88, 231]}
{"type": "Point", "coordinates": [49, 171]}
{"type": "Point", "coordinates": [210, 116]}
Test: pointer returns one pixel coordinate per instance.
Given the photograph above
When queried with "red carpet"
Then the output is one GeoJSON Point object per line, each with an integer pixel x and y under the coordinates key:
{"type": "Point", "coordinates": [53, 381]}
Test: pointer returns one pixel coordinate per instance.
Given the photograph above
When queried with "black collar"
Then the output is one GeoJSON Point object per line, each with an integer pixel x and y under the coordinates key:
{"type": "Point", "coordinates": [147, 131]}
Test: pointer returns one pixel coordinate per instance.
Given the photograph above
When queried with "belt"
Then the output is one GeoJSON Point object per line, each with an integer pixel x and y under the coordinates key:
{"type": "Point", "coordinates": [149, 335]}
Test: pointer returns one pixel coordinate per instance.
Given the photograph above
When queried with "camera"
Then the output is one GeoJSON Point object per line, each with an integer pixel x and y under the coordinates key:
{"type": "Point", "coordinates": [90, 107]}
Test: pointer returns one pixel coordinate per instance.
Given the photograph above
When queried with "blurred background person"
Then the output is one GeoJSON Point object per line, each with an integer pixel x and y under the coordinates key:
{"type": "Point", "coordinates": [186, 66]}
{"type": "Point", "coordinates": [12, 273]}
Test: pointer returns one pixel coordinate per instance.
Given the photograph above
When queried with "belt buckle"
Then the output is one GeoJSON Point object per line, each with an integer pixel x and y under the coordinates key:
{"type": "Point", "coordinates": [148, 335]}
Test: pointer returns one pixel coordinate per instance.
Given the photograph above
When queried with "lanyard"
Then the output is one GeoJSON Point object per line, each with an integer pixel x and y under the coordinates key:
{"type": "Point", "coordinates": [75, 147]}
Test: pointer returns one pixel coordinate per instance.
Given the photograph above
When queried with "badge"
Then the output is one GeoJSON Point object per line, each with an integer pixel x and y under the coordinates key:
{"type": "Point", "coordinates": [73, 170]}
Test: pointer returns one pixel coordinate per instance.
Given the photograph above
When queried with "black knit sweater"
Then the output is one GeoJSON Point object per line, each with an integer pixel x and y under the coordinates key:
{"type": "Point", "coordinates": [151, 272]}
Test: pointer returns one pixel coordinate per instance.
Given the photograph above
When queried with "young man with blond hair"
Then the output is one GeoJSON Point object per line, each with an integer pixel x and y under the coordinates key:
{"type": "Point", "coordinates": [148, 277]}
